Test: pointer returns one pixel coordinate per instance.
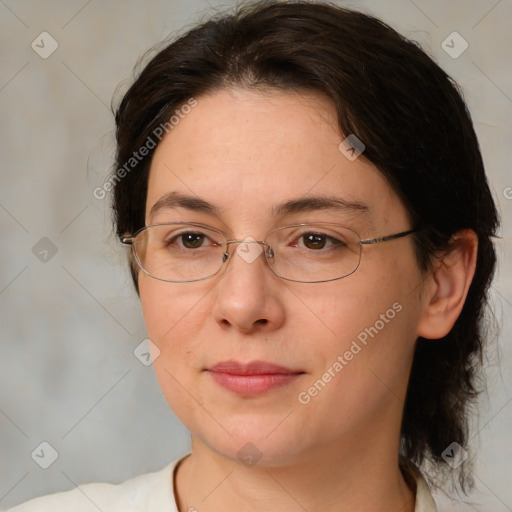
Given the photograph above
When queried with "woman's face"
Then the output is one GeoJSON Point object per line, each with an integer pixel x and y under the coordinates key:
{"type": "Point", "coordinates": [348, 342]}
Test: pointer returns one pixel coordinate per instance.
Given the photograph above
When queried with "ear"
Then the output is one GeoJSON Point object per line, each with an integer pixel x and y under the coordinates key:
{"type": "Point", "coordinates": [449, 285]}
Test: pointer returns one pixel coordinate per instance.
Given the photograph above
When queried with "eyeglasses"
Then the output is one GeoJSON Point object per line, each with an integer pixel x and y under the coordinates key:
{"type": "Point", "coordinates": [307, 253]}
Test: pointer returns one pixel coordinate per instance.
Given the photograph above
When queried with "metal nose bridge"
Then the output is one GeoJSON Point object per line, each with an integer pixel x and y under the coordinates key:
{"type": "Point", "coordinates": [267, 249]}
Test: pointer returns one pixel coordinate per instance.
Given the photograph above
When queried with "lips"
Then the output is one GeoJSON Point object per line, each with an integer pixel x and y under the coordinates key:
{"type": "Point", "coordinates": [251, 368]}
{"type": "Point", "coordinates": [253, 378]}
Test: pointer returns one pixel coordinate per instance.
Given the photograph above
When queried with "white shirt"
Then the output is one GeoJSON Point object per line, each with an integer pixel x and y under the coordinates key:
{"type": "Point", "coordinates": [152, 492]}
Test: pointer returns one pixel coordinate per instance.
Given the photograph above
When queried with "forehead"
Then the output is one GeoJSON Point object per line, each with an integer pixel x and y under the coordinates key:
{"type": "Point", "coordinates": [248, 152]}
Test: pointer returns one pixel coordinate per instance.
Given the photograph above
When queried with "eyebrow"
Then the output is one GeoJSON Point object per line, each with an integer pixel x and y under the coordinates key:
{"type": "Point", "coordinates": [312, 203]}
{"type": "Point", "coordinates": [300, 205]}
{"type": "Point", "coordinates": [192, 203]}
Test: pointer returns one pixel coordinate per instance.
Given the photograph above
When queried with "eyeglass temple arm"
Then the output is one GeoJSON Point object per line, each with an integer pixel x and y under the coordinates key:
{"type": "Point", "coordinates": [128, 239]}
{"type": "Point", "coordinates": [370, 241]}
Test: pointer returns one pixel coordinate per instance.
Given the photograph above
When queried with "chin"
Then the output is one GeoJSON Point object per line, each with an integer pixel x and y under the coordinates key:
{"type": "Point", "coordinates": [266, 441]}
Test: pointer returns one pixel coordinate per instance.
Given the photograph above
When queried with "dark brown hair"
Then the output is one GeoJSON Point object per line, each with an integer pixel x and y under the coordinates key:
{"type": "Point", "coordinates": [417, 131]}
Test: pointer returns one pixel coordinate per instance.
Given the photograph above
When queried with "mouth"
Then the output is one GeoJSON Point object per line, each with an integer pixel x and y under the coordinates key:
{"type": "Point", "coordinates": [253, 378]}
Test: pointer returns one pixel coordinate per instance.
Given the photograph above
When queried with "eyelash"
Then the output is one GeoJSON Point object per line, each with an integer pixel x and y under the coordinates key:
{"type": "Point", "coordinates": [334, 241]}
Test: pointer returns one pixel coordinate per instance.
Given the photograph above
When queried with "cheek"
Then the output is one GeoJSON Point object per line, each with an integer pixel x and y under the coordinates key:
{"type": "Point", "coordinates": [344, 308]}
{"type": "Point", "coordinates": [168, 315]}
{"type": "Point", "coordinates": [166, 307]}
{"type": "Point", "coordinates": [363, 350]}
{"type": "Point", "coordinates": [368, 320]}
{"type": "Point", "coordinates": [171, 326]}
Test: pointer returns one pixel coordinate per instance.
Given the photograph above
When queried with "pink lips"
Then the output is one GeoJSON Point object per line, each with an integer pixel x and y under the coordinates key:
{"type": "Point", "coordinates": [253, 378]}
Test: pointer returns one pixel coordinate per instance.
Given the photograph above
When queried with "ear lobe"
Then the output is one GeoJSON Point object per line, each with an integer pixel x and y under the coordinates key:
{"type": "Point", "coordinates": [450, 281]}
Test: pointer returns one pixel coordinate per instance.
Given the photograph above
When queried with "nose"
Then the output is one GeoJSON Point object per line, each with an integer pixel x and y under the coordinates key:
{"type": "Point", "coordinates": [249, 294]}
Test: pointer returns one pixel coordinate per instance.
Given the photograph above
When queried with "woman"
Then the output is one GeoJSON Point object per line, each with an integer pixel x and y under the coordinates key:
{"type": "Point", "coordinates": [310, 228]}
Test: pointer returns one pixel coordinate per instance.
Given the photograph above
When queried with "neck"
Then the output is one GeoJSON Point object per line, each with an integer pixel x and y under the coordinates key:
{"type": "Point", "coordinates": [330, 480]}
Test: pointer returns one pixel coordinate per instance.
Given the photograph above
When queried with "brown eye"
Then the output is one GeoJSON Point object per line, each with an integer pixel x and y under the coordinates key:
{"type": "Point", "coordinates": [314, 240]}
{"type": "Point", "coordinates": [192, 240]}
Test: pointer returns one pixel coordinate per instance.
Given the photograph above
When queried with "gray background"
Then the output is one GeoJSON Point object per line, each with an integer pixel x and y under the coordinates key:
{"type": "Point", "coordinates": [69, 325]}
